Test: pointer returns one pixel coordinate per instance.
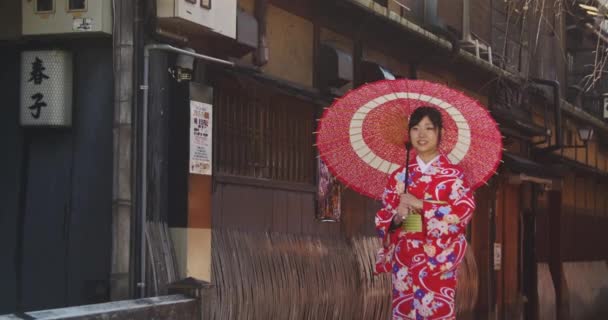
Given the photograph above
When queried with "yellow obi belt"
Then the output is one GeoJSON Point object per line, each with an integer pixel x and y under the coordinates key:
{"type": "Point", "coordinates": [412, 223]}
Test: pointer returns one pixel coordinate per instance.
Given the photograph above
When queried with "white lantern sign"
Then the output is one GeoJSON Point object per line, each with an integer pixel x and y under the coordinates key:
{"type": "Point", "coordinates": [46, 88]}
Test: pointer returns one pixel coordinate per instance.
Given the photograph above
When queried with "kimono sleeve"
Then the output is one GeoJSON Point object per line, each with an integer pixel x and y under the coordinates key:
{"type": "Point", "coordinates": [446, 225]}
{"type": "Point", "coordinates": [390, 202]}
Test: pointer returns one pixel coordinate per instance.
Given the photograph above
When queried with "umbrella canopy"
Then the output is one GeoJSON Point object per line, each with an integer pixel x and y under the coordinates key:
{"type": "Point", "coordinates": [362, 136]}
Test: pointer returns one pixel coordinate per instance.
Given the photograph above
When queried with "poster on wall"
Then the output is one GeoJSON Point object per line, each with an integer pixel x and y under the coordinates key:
{"type": "Point", "coordinates": [200, 137]}
{"type": "Point", "coordinates": [329, 195]}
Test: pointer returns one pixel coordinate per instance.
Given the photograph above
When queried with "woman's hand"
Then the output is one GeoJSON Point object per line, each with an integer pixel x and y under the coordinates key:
{"type": "Point", "coordinates": [404, 209]}
{"type": "Point", "coordinates": [410, 202]}
{"type": "Point", "coordinates": [399, 217]}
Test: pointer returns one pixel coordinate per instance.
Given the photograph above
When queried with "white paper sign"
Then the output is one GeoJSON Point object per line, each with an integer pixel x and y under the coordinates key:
{"type": "Point", "coordinates": [46, 88]}
{"type": "Point", "coordinates": [497, 256]}
{"type": "Point", "coordinates": [201, 141]}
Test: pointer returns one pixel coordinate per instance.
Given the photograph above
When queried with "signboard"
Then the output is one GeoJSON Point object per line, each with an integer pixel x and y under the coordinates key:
{"type": "Point", "coordinates": [497, 256]}
{"type": "Point", "coordinates": [46, 88]}
{"type": "Point", "coordinates": [201, 141]}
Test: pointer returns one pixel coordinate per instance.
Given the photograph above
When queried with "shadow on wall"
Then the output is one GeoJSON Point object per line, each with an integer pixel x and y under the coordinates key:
{"type": "Point", "coordinates": [587, 283]}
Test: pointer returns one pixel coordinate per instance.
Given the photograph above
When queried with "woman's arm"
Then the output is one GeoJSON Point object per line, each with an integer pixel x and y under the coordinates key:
{"type": "Point", "coordinates": [385, 223]}
{"type": "Point", "coordinates": [390, 202]}
{"type": "Point", "coordinates": [446, 223]}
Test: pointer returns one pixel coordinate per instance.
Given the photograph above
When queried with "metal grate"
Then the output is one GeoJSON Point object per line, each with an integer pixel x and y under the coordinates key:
{"type": "Point", "coordinates": [264, 135]}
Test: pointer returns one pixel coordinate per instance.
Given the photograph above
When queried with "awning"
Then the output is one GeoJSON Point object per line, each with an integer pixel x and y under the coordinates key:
{"type": "Point", "coordinates": [517, 164]}
{"type": "Point", "coordinates": [563, 164]}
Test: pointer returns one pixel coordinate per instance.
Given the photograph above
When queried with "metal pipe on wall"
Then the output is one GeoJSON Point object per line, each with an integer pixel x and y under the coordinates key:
{"type": "Point", "coordinates": [144, 148]}
{"type": "Point", "coordinates": [262, 52]}
{"type": "Point", "coordinates": [557, 112]}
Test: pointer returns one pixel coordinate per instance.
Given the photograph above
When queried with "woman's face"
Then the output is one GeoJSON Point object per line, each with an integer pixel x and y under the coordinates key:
{"type": "Point", "coordinates": [424, 137]}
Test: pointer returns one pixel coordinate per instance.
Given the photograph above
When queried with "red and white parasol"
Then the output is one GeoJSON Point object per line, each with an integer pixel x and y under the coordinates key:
{"type": "Point", "coordinates": [361, 137]}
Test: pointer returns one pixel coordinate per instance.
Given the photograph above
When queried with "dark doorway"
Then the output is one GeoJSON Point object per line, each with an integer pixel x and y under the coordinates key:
{"type": "Point", "coordinates": [57, 186]}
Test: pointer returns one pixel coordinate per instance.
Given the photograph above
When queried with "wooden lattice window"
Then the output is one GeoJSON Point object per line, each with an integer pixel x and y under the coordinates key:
{"type": "Point", "coordinates": [263, 134]}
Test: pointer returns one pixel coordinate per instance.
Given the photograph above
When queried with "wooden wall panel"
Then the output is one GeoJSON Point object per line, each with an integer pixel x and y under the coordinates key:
{"type": "Point", "coordinates": [450, 13]}
{"type": "Point", "coordinates": [592, 151]}
{"type": "Point", "coordinates": [481, 23]}
{"type": "Point", "coordinates": [279, 210]}
{"type": "Point", "coordinates": [578, 220]}
{"type": "Point", "coordinates": [481, 244]}
{"type": "Point", "coordinates": [263, 209]}
{"type": "Point", "coordinates": [511, 259]}
{"type": "Point", "coordinates": [601, 159]}
{"type": "Point", "coordinates": [396, 66]}
{"type": "Point", "coordinates": [339, 41]}
{"type": "Point", "coordinates": [288, 59]}
{"type": "Point", "coordinates": [584, 218]}
{"type": "Point", "coordinates": [294, 213]}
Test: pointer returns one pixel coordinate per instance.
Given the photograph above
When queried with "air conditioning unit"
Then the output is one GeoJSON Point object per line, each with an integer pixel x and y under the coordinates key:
{"type": "Point", "coordinates": [217, 16]}
{"type": "Point", "coordinates": [41, 17]}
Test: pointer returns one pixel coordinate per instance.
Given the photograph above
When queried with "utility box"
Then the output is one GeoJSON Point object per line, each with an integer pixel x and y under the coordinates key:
{"type": "Point", "coordinates": [45, 17]}
{"type": "Point", "coordinates": [10, 15]}
{"type": "Point", "coordinates": [191, 16]}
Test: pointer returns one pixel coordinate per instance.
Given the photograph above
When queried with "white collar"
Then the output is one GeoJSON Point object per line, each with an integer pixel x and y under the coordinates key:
{"type": "Point", "coordinates": [425, 166]}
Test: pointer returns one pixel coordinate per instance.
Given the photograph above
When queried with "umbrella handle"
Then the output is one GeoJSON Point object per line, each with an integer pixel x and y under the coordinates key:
{"type": "Point", "coordinates": [408, 147]}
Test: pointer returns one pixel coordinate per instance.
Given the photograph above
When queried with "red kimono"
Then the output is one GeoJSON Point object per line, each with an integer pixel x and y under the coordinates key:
{"type": "Point", "coordinates": [423, 264]}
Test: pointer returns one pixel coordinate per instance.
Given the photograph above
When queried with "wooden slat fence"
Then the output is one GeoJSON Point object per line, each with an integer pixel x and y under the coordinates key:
{"type": "Point", "coordinates": [288, 276]}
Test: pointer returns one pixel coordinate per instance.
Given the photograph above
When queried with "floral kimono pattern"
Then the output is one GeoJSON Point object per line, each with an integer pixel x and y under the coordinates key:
{"type": "Point", "coordinates": [423, 264]}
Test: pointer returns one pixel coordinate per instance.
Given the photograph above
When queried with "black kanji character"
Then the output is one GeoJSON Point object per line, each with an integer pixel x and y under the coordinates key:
{"type": "Point", "coordinates": [37, 106]}
{"type": "Point", "coordinates": [37, 74]}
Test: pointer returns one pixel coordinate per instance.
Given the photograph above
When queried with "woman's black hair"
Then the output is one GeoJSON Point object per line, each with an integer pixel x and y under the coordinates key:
{"type": "Point", "coordinates": [424, 111]}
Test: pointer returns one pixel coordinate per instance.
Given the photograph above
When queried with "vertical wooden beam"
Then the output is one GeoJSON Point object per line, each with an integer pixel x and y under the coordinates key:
{"type": "Point", "coordinates": [193, 241]}
{"type": "Point", "coordinates": [123, 131]}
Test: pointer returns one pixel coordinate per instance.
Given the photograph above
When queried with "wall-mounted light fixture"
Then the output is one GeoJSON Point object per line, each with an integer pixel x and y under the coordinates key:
{"type": "Point", "coordinates": [184, 66]}
{"type": "Point", "coordinates": [584, 134]}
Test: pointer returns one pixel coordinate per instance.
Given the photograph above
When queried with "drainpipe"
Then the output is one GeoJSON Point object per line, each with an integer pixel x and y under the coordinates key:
{"type": "Point", "coordinates": [144, 147]}
{"type": "Point", "coordinates": [557, 112]}
{"type": "Point", "coordinates": [260, 55]}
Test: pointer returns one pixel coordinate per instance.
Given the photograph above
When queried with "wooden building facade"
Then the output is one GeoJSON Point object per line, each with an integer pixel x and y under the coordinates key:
{"type": "Point", "coordinates": [536, 234]}
{"type": "Point", "coordinates": [251, 228]}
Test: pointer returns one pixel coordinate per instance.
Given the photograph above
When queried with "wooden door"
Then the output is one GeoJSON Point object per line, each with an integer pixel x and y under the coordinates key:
{"type": "Point", "coordinates": [506, 250]}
